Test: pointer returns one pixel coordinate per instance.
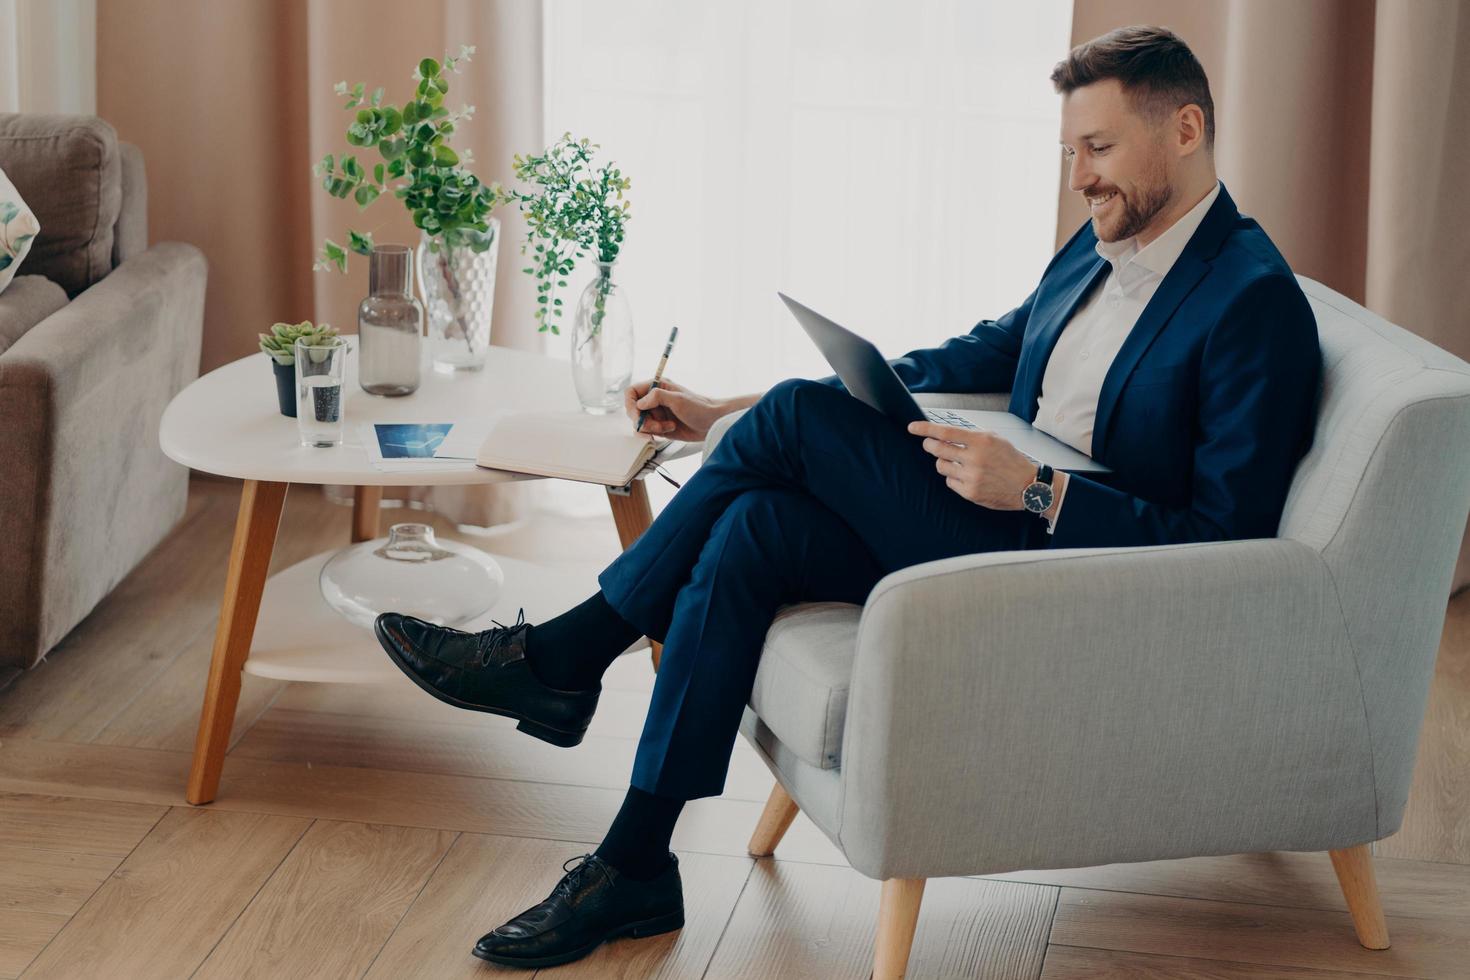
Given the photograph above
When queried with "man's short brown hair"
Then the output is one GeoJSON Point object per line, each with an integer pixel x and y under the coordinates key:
{"type": "Point", "coordinates": [1156, 69]}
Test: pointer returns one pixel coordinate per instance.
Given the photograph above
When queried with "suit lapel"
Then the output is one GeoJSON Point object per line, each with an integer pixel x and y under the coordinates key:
{"type": "Point", "coordinates": [1191, 266]}
{"type": "Point", "coordinates": [1171, 292]}
{"type": "Point", "coordinates": [1057, 315]}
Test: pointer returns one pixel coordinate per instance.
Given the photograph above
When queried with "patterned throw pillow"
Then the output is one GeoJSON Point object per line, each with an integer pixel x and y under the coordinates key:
{"type": "Point", "coordinates": [18, 227]}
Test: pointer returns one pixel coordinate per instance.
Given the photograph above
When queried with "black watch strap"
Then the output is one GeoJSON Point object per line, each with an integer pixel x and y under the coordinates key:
{"type": "Point", "coordinates": [1044, 474]}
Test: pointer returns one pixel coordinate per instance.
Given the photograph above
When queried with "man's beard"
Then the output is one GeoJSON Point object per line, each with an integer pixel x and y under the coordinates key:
{"type": "Point", "coordinates": [1140, 208]}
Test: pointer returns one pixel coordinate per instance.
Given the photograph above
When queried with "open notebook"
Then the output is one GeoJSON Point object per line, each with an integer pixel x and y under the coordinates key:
{"type": "Point", "coordinates": [569, 445]}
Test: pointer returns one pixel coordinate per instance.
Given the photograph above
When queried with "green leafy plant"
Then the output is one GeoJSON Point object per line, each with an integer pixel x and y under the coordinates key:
{"type": "Point", "coordinates": [420, 168]}
{"type": "Point", "coordinates": [575, 208]}
{"type": "Point", "coordinates": [280, 343]}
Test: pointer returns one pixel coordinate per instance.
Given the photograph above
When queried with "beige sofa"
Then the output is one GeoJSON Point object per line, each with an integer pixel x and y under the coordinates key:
{"type": "Point", "coordinates": [97, 332]}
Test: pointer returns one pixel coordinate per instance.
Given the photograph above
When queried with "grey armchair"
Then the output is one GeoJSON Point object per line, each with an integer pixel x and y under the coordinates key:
{"type": "Point", "coordinates": [97, 332]}
{"type": "Point", "coordinates": [1069, 708]}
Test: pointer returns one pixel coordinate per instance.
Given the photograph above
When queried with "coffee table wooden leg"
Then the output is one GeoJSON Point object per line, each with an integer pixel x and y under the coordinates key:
{"type": "Point", "coordinates": [250, 557]}
{"type": "Point", "coordinates": [633, 514]}
{"type": "Point", "coordinates": [365, 503]}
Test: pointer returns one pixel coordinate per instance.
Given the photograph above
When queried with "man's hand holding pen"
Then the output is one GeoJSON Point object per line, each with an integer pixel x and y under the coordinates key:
{"type": "Point", "coordinates": [659, 407]}
{"type": "Point", "coordinates": [673, 411]}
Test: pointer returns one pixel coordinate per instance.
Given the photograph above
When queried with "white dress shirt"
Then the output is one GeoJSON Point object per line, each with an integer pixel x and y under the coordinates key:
{"type": "Point", "coordinates": [1085, 350]}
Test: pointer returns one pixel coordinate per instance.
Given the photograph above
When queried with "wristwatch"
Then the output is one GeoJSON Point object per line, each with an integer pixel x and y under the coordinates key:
{"type": "Point", "coordinates": [1037, 496]}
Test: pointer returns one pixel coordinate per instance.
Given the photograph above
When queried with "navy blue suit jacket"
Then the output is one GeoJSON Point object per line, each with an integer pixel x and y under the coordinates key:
{"type": "Point", "coordinates": [1206, 409]}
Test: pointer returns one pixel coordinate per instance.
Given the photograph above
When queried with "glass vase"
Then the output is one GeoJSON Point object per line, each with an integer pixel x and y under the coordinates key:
{"type": "Point", "coordinates": [411, 572]}
{"type": "Point", "coordinates": [602, 343]}
{"type": "Point", "coordinates": [390, 325]}
{"type": "Point", "coordinates": [459, 297]}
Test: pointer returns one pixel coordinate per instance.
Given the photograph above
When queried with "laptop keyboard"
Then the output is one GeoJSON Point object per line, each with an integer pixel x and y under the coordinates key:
{"type": "Point", "coordinates": [944, 417]}
{"type": "Point", "coordinates": [949, 418]}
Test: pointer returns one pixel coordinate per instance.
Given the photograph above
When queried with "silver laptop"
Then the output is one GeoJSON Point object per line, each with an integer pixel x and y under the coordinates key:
{"type": "Point", "coordinates": [872, 380]}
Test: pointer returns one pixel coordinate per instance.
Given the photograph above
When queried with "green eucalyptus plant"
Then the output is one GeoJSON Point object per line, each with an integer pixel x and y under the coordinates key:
{"type": "Point", "coordinates": [280, 343]}
{"type": "Point", "coordinates": [448, 202]}
{"type": "Point", "coordinates": [574, 209]}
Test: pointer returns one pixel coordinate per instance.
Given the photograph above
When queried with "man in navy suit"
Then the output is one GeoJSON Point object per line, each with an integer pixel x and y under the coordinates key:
{"type": "Point", "coordinates": [1168, 339]}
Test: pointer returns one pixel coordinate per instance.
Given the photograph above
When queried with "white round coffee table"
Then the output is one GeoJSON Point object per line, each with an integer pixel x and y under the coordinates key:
{"type": "Point", "coordinates": [228, 423]}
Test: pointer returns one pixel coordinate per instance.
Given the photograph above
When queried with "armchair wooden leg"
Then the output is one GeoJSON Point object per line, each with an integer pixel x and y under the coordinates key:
{"type": "Point", "coordinates": [632, 513]}
{"type": "Point", "coordinates": [1354, 867]}
{"type": "Point", "coordinates": [898, 917]}
{"type": "Point", "coordinates": [366, 502]}
{"type": "Point", "coordinates": [775, 820]}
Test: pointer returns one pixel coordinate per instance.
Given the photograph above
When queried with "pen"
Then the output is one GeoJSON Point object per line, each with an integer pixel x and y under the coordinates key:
{"type": "Point", "coordinates": [668, 349]}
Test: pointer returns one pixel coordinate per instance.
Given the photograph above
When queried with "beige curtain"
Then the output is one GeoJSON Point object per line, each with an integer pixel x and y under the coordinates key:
{"type": "Point", "coordinates": [231, 104]}
{"type": "Point", "coordinates": [1339, 126]}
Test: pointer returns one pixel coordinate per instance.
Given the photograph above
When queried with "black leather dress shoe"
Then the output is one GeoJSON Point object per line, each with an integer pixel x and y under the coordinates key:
{"type": "Point", "coordinates": [590, 905]}
{"type": "Point", "coordinates": [486, 671]}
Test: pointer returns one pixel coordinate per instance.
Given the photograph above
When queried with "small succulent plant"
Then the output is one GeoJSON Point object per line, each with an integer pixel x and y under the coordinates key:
{"type": "Point", "coordinates": [280, 343]}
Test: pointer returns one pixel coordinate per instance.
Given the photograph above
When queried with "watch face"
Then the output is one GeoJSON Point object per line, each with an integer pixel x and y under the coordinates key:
{"type": "Point", "coordinates": [1036, 498]}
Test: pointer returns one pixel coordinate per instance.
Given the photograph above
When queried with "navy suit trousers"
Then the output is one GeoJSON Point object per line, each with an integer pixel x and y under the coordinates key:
{"type": "Point", "coordinates": [810, 496]}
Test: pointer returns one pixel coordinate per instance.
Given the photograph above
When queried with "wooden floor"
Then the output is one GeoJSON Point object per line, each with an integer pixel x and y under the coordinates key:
{"type": "Point", "coordinates": [377, 832]}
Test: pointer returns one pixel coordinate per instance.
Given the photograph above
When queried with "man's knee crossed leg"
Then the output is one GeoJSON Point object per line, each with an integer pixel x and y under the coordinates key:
{"type": "Point", "coordinates": [771, 547]}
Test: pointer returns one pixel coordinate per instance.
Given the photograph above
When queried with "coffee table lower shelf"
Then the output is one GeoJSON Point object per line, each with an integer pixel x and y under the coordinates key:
{"type": "Point", "coordinates": [279, 627]}
{"type": "Point", "coordinates": [298, 637]}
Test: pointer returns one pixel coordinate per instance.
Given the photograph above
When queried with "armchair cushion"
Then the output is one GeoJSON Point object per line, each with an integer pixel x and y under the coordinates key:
{"type": "Point", "coordinates": [800, 690]}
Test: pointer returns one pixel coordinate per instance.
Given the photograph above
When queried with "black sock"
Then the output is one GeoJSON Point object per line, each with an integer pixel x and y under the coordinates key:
{"type": "Point", "coordinates": [571, 651]}
{"type": "Point", "coordinates": [637, 843]}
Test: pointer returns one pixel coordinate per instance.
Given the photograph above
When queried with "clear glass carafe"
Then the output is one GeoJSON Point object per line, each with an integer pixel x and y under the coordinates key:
{"type": "Point", "coordinates": [413, 573]}
{"type": "Point", "coordinates": [602, 343]}
{"type": "Point", "coordinates": [390, 325]}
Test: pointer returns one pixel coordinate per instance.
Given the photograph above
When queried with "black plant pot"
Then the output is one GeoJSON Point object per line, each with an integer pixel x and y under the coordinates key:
{"type": "Point", "coordinates": [285, 386]}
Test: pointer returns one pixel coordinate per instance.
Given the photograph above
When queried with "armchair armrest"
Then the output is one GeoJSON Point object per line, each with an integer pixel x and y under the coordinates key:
{"type": "Point", "coordinates": [1071, 708]}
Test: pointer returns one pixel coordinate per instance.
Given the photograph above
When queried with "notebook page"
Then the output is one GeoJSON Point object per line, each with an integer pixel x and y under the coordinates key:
{"type": "Point", "coordinates": [569, 444]}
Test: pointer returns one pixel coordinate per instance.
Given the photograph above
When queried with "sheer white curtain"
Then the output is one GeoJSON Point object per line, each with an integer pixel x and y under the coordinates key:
{"type": "Point", "coordinates": [48, 56]}
{"type": "Point", "coordinates": [893, 165]}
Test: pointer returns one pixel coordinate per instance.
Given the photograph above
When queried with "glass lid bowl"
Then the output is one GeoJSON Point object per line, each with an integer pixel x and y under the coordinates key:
{"type": "Point", "coordinates": [411, 572]}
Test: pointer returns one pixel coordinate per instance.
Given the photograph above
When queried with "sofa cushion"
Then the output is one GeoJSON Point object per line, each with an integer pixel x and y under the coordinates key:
{"type": "Point", "coordinates": [67, 169]}
{"type": "Point", "coordinates": [800, 690]}
{"type": "Point", "coordinates": [28, 301]}
{"type": "Point", "coordinates": [18, 227]}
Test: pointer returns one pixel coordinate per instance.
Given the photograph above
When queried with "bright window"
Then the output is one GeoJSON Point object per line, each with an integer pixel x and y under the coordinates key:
{"type": "Point", "coordinates": [892, 165]}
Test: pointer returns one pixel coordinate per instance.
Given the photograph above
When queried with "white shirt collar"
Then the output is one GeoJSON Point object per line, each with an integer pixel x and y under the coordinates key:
{"type": "Point", "coordinates": [1132, 264]}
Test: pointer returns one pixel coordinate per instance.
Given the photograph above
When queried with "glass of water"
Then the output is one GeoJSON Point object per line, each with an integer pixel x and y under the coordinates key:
{"type": "Point", "coordinates": [319, 369]}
